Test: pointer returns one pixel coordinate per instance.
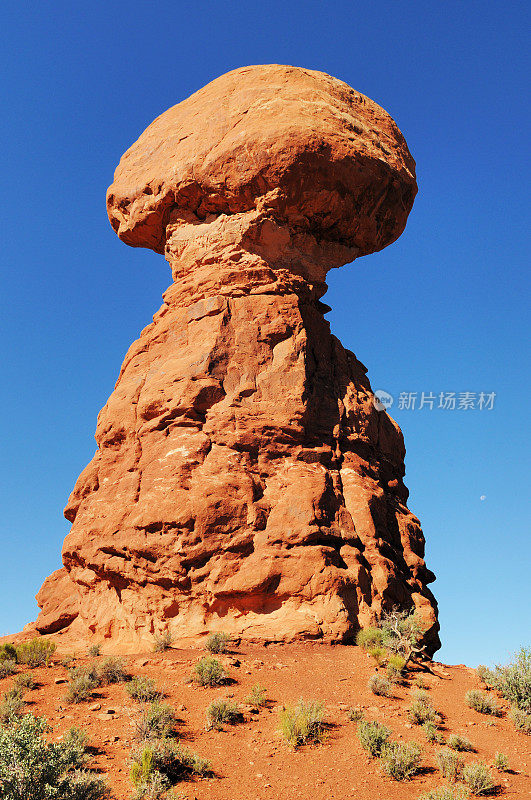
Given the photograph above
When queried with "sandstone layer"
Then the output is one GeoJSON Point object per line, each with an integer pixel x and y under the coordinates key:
{"type": "Point", "coordinates": [244, 480]}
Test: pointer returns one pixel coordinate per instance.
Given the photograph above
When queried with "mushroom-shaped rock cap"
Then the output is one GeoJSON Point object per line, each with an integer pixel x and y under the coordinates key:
{"type": "Point", "coordinates": [308, 148]}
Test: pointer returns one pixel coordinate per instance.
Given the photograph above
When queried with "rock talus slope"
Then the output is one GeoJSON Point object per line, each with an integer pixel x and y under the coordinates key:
{"type": "Point", "coordinates": [244, 479]}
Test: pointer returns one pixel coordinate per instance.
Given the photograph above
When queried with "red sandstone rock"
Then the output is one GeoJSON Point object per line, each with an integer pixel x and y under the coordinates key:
{"type": "Point", "coordinates": [244, 479]}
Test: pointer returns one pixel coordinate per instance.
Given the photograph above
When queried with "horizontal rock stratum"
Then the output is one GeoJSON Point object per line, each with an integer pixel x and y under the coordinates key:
{"type": "Point", "coordinates": [244, 480]}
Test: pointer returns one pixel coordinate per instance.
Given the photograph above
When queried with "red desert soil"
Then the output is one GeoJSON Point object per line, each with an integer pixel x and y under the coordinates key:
{"type": "Point", "coordinates": [250, 760]}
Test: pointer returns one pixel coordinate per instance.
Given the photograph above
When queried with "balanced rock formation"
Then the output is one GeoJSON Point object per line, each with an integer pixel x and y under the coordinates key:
{"type": "Point", "coordinates": [244, 480]}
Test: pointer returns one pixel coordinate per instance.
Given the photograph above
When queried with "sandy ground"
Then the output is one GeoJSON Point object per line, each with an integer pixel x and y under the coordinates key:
{"type": "Point", "coordinates": [250, 761]}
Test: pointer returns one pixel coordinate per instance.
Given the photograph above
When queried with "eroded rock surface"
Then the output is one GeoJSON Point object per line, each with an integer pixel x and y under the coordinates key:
{"type": "Point", "coordinates": [244, 479]}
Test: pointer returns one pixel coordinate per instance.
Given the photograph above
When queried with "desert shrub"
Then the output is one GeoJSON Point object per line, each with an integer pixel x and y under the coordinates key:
{"type": "Point", "coordinates": [111, 671]}
{"type": "Point", "coordinates": [379, 685]}
{"type": "Point", "coordinates": [31, 768]}
{"type": "Point", "coordinates": [7, 667]}
{"type": "Point", "coordinates": [209, 672]}
{"type": "Point", "coordinates": [369, 637]}
{"type": "Point", "coordinates": [153, 787]}
{"type": "Point", "coordinates": [478, 778]}
{"type": "Point", "coordinates": [8, 652]}
{"type": "Point", "coordinates": [220, 712]}
{"type": "Point", "coordinates": [355, 714]}
{"type": "Point", "coordinates": [302, 722]}
{"type": "Point", "coordinates": [373, 737]}
{"type": "Point", "coordinates": [257, 697]}
{"type": "Point", "coordinates": [24, 681]}
{"type": "Point", "coordinates": [420, 683]}
{"type": "Point", "coordinates": [156, 721]}
{"type": "Point", "coordinates": [482, 703]}
{"type": "Point", "coordinates": [94, 650]}
{"type": "Point", "coordinates": [74, 745]}
{"type": "Point", "coordinates": [446, 793]}
{"type": "Point", "coordinates": [36, 652]}
{"type": "Point", "coordinates": [143, 690]}
{"type": "Point", "coordinates": [421, 710]}
{"type": "Point", "coordinates": [400, 761]}
{"type": "Point", "coordinates": [483, 673]}
{"type": "Point", "coordinates": [401, 632]}
{"type": "Point", "coordinates": [395, 667]}
{"type": "Point", "coordinates": [217, 642]}
{"type": "Point", "coordinates": [379, 654]}
{"type": "Point", "coordinates": [513, 681]}
{"type": "Point", "coordinates": [11, 705]}
{"type": "Point", "coordinates": [432, 733]}
{"type": "Point", "coordinates": [460, 743]}
{"type": "Point", "coordinates": [83, 681]}
{"type": "Point", "coordinates": [450, 764]}
{"type": "Point", "coordinates": [521, 720]}
{"type": "Point", "coordinates": [501, 762]}
{"type": "Point", "coordinates": [167, 758]}
{"type": "Point", "coordinates": [162, 642]}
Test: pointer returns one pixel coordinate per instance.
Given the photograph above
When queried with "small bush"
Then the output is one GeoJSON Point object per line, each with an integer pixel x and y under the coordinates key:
{"type": "Point", "coordinates": [482, 703]}
{"type": "Point", "coordinates": [379, 654]}
{"type": "Point", "coordinates": [143, 690]}
{"type": "Point", "coordinates": [478, 778]}
{"type": "Point", "coordinates": [94, 650]}
{"type": "Point", "coordinates": [162, 642]}
{"type": "Point", "coordinates": [460, 743]}
{"type": "Point", "coordinates": [432, 734]}
{"type": "Point", "coordinates": [421, 710]}
{"type": "Point", "coordinates": [302, 722]}
{"type": "Point", "coordinates": [11, 705]}
{"type": "Point", "coordinates": [8, 652]}
{"type": "Point", "coordinates": [24, 681]}
{"type": "Point", "coordinates": [153, 787]}
{"type": "Point", "coordinates": [395, 667]}
{"type": "Point", "coordinates": [257, 697]}
{"type": "Point", "coordinates": [446, 793]}
{"type": "Point", "coordinates": [168, 759]}
{"type": "Point", "coordinates": [111, 671]}
{"type": "Point", "coordinates": [355, 714]}
{"type": "Point", "coordinates": [36, 653]}
{"type": "Point", "coordinates": [400, 761]}
{"type": "Point", "coordinates": [74, 745]}
{"type": "Point", "coordinates": [222, 712]}
{"type": "Point", "coordinates": [501, 762]}
{"type": "Point", "coordinates": [401, 632]}
{"type": "Point", "coordinates": [373, 737]}
{"type": "Point", "coordinates": [379, 685]}
{"type": "Point", "coordinates": [521, 720]}
{"type": "Point", "coordinates": [83, 681]}
{"type": "Point", "coordinates": [450, 764]}
{"type": "Point", "coordinates": [7, 667]}
{"type": "Point", "coordinates": [512, 681]}
{"type": "Point", "coordinates": [369, 637]}
{"type": "Point", "coordinates": [209, 672]}
{"type": "Point", "coordinates": [156, 722]}
{"type": "Point", "coordinates": [217, 643]}
{"type": "Point", "coordinates": [420, 683]}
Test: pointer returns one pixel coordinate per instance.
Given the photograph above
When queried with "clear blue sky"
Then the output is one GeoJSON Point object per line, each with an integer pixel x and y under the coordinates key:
{"type": "Point", "coordinates": [442, 309]}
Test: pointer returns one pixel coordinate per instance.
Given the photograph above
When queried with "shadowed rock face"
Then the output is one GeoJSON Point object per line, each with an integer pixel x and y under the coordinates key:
{"type": "Point", "coordinates": [244, 479]}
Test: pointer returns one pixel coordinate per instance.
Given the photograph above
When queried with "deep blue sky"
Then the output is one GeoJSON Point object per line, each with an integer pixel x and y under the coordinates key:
{"type": "Point", "coordinates": [442, 309]}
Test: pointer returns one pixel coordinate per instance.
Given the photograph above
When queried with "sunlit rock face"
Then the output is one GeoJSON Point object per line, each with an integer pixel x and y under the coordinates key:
{"type": "Point", "coordinates": [244, 479]}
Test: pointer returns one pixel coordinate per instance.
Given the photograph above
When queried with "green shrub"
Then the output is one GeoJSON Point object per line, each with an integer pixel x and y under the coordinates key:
{"type": "Point", "coordinates": [513, 681]}
{"type": "Point", "coordinates": [257, 697]}
{"type": "Point", "coordinates": [373, 737]}
{"type": "Point", "coordinates": [154, 787]}
{"type": "Point", "coordinates": [31, 768]}
{"type": "Point", "coordinates": [36, 652]}
{"type": "Point", "coordinates": [521, 720]}
{"type": "Point", "coordinates": [83, 681]}
{"type": "Point", "coordinates": [24, 681]}
{"type": "Point", "coordinates": [460, 743]}
{"type": "Point", "coordinates": [432, 733]}
{"type": "Point", "coordinates": [217, 643]}
{"type": "Point", "coordinates": [94, 650]}
{"type": "Point", "coordinates": [395, 667]}
{"type": "Point", "coordinates": [8, 652]}
{"type": "Point", "coordinates": [7, 667]}
{"type": "Point", "coordinates": [421, 710]}
{"type": "Point", "coordinates": [379, 685]}
{"type": "Point", "coordinates": [220, 712]}
{"type": "Point", "coordinates": [369, 637]}
{"type": "Point", "coordinates": [446, 793]}
{"type": "Point", "coordinates": [501, 762]}
{"type": "Point", "coordinates": [302, 722]}
{"type": "Point", "coordinates": [420, 683]}
{"type": "Point", "coordinates": [162, 642]}
{"type": "Point", "coordinates": [143, 690]}
{"type": "Point", "coordinates": [156, 721]}
{"type": "Point", "coordinates": [355, 714]}
{"type": "Point", "coordinates": [400, 761]}
{"type": "Point", "coordinates": [401, 632]}
{"type": "Point", "coordinates": [482, 703]}
{"type": "Point", "coordinates": [379, 654]}
{"type": "Point", "coordinates": [450, 764]}
{"type": "Point", "coordinates": [478, 778]}
{"type": "Point", "coordinates": [74, 745]}
{"type": "Point", "coordinates": [169, 759]}
{"type": "Point", "coordinates": [209, 672]}
{"type": "Point", "coordinates": [11, 705]}
{"type": "Point", "coordinates": [111, 671]}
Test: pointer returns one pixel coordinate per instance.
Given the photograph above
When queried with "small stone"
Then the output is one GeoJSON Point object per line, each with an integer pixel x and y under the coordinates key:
{"type": "Point", "coordinates": [60, 680]}
{"type": "Point", "coordinates": [95, 707]}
